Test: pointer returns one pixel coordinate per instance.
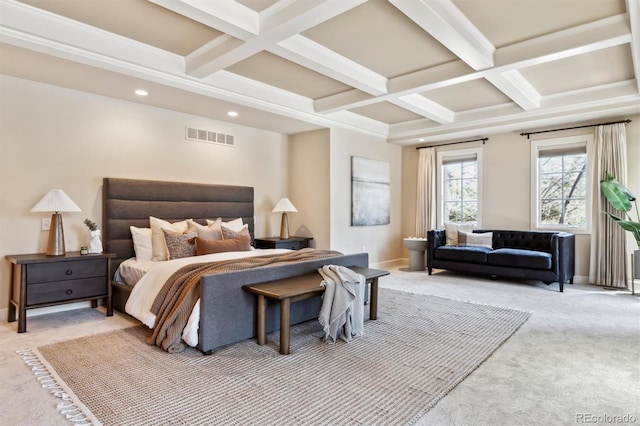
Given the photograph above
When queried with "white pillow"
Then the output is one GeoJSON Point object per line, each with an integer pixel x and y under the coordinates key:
{"type": "Point", "coordinates": [451, 229]}
{"type": "Point", "coordinates": [211, 232]}
{"type": "Point", "coordinates": [471, 239]}
{"type": "Point", "coordinates": [235, 224]}
{"type": "Point", "coordinates": [142, 245]}
{"type": "Point", "coordinates": [158, 242]}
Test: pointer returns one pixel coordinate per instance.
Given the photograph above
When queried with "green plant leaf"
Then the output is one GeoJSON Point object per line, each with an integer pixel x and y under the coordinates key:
{"type": "Point", "coordinates": [616, 193]}
{"type": "Point", "coordinates": [628, 225]}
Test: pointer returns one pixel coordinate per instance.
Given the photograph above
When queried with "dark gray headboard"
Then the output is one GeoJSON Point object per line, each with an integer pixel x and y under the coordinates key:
{"type": "Point", "coordinates": [130, 202]}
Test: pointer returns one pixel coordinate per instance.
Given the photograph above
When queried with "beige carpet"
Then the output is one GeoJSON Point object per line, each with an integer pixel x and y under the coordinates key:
{"type": "Point", "coordinates": [419, 349]}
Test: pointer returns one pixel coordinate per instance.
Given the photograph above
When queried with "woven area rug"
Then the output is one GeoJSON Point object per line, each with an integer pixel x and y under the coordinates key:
{"type": "Point", "coordinates": [418, 349]}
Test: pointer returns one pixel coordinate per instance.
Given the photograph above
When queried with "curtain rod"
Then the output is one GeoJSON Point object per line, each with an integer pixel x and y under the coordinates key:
{"type": "Point", "coordinates": [454, 143]}
{"type": "Point", "coordinates": [627, 121]}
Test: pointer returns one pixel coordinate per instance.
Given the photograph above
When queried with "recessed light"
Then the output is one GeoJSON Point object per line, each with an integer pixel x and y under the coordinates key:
{"type": "Point", "coordinates": [141, 92]}
{"type": "Point", "coordinates": [232, 114]}
{"type": "Point", "coordinates": [421, 140]}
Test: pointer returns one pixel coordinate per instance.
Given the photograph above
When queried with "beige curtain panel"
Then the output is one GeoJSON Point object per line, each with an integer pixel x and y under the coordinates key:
{"type": "Point", "coordinates": [426, 192]}
{"type": "Point", "coordinates": [608, 255]}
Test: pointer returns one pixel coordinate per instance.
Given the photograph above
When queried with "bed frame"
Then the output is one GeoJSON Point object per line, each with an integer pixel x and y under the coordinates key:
{"type": "Point", "coordinates": [227, 313]}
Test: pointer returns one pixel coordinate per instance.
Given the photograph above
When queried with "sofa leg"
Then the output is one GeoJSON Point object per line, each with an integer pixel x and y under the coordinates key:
{"type": "Point", "coordinates": [429, 270]}
{"type": "Point", "coordinates": [561, 285]}
{"type": "Point", "coordinates": [571, 280]}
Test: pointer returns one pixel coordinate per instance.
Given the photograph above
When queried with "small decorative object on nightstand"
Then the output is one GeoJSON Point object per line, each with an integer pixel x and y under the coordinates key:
{"type": "Point", "coordinates": [39, 280]}
{"type": "Point", "coordinates": [293, 243]}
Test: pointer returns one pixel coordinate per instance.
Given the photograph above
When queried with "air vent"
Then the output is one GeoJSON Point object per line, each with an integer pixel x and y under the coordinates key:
{"type": "Point", "coordinates": [209, 136]}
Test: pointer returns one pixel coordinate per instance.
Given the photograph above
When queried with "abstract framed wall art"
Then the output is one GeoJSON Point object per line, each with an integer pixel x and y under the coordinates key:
{"type": "Point", "coordinates": [370, 192]}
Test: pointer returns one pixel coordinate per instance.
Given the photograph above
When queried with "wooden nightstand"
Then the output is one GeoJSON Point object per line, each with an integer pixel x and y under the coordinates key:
{"type": "Point", "coordinates": [38, 280]}
{"type": "Point", "coordinates": [293, 243]}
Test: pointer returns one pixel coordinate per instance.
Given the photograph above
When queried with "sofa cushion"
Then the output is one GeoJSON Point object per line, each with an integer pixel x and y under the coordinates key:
{"type": "Point", "coordinates": [463, 254]}
{"type": "Point", "coordinates": [518, 258]}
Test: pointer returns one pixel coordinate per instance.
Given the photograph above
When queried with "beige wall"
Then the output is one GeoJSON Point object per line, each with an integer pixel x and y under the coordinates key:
{"type": "Point", "coordinates": [58, 138]}
{"type": "Point", "coordinates": [309, 186]}
{"type": "Point", "coordinates": [384, 242]}
{"type": "Point", "coordinates": [507, 181]}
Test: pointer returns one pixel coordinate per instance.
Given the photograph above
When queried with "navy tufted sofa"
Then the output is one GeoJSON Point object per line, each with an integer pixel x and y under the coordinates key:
{"type": "Point", "coordinates": [535, 255]}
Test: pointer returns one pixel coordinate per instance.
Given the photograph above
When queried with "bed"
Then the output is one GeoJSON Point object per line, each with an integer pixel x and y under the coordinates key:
{"type": "Point", "coordinates": [227, 313]}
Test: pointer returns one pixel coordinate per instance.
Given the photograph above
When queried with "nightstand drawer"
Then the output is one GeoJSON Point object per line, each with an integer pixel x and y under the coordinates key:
{"type": "Point", "coordinates": [60, 291]}
{"type": "Point", "coordinates": [291, 245]}
{"type": "Point", "coordinates": [48, 272]}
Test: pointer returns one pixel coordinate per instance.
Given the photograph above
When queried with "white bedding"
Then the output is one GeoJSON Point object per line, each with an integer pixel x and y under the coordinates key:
{"type": "Point", "coordinates": [150, 283]}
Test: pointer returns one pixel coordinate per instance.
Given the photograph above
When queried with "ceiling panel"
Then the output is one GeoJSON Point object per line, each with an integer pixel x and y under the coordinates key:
{"type": "Point", "coordinates": [380, 37]}
{"type": "Point", "coordinates": [470, 95]}
{"type": "Point", "coordinates": [257, 5]}
{"type": "Point", "coordinates": [276, 71]}
{"type": "Point", "coordinates": [386, 112]}
{"type": "Point", "coordinates": [583, 71]}
{"type": "Point", "coordinates": [139, 20]}
{"type": "Point", "coordinates": [505, 22]}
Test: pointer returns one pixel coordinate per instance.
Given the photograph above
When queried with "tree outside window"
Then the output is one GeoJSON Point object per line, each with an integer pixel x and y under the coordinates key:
{"type": "Point", "coordinates": [461, 191]}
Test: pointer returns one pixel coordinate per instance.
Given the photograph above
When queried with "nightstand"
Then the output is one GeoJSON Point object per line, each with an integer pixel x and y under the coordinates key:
{"type": "Point", "coordinates": [38, 280]}
{"type": "Point", "coordinates": [293, 243]}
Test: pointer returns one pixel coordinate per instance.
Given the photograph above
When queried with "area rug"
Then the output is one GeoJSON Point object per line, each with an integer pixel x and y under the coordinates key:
{"type": "Point", "coordinates": [418, 349]}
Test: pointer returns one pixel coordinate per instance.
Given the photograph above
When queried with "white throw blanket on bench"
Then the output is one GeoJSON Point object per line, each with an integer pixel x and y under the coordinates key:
{"type": "Point", "coordinates": [342, 312]}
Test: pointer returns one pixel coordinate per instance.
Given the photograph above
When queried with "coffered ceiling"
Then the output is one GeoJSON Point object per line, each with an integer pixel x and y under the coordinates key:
{"type": "Point", "coordinates": [411, 71]}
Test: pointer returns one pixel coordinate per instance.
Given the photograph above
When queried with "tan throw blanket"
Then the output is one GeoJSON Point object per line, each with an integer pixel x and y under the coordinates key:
{"type": "Point", "coordinates": [178, 296]}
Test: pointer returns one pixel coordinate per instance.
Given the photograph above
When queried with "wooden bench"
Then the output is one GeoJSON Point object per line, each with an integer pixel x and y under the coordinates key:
{"type": "Point", "coordinates": [291, 290]}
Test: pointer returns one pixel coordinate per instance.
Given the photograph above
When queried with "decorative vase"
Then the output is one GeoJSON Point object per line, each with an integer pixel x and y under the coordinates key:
{"type": "Point", "coordinates": [95, 245]}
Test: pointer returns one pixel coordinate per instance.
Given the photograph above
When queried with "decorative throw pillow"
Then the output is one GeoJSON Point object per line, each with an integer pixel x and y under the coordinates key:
{"type": "Point", "coordinates": [142, 242]}
{"type": "Point", "coordinates": [471, 239]}
{"type": "Point", "coordinates": [204, 246]}
{"type": "Point", "coordinates": [212, 231]}
{"type": "Point", "coordinates": [229, 233]}
{"type": "Point", "coordinates": [235, 224]}
{"type": "Point", "coordinates": [180, 244]}
{"type": "Point", "coordinates": [451, 231]}
{"type": "Point", "coordinates": [159, 245]}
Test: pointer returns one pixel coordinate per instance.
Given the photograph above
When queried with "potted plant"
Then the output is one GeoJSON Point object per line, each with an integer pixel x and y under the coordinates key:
{"type": "Point", "coordinates": [621, 199]}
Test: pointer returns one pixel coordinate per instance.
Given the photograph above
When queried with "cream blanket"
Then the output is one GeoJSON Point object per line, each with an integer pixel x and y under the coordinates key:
{"type": "Point", "coordinates": [342, 312]}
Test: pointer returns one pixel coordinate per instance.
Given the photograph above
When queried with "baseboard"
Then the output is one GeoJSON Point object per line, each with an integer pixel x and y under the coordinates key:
{"type": "Point", "coordinates": [4, 313]}
{"type": "Point", "coordinates": [580, 279]}
{"type": "Point", "coordinates": [390, 263]}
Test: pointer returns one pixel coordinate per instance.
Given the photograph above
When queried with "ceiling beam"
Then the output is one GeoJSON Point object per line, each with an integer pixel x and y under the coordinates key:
{"type": "Point", "coordinates": [425, 107]}
{"type": "Point", "coordinates": [516, 87]}
{"type": "Point", "coordinates": [282, 21]}
{"type": "Point", "coordinates": [633, 9]}
{"type": "Point", "coordinates": [447, 24]}
{"type": "Point", "coordinates": [312, 55]}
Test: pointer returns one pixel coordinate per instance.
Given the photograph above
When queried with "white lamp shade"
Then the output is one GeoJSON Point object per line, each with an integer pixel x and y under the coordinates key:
{"type": "Point", "coordinates": [56, 201]}
{"type": "Point", "coordinates": [284, 205]}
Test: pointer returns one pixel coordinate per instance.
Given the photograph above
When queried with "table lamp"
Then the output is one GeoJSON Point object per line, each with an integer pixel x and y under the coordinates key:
{"type": "Point", "coordinates": [56, 201]}
{"type": "Point", "coordinates": [284, 206]}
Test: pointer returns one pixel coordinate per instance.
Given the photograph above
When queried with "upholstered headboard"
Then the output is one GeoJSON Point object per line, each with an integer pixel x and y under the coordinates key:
{"type": "Point", "coordinates": [130, 202]}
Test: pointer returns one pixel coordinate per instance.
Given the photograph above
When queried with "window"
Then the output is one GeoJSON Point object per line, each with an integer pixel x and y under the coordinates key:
{"type": "Point", "coordinates": [560, 184]}
{"type": "Point", "coordinates": [459, 186]}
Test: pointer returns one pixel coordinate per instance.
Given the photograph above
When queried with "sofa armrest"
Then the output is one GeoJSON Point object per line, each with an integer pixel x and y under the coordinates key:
{"type": "Point", "coordinates": [563, 250]}
{"type": "Point", "coordinates": [435, 239]}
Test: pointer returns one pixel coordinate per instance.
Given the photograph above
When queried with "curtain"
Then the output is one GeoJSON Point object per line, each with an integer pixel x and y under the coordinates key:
{"type": "Point", "coordinates": [608, 255]}
{"type": "Point", "coordinates": [426, 192]}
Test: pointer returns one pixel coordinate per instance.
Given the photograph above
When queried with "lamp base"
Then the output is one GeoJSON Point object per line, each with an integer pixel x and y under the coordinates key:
{"type": "Point", "coordinates": [284, 227]}
{"type": "Point", "coordinates": [55, 246]}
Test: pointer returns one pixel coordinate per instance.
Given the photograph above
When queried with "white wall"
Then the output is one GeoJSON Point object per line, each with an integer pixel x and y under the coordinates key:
{"type": "Point", "coordinates": [506, 200]}
{"type": "Point", "coordinates": [384, 242]}
{"type": "Point", "coordinates": [51, 137]}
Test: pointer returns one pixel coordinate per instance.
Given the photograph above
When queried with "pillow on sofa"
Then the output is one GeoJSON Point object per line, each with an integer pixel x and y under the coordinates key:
{"type": "Point", "coordinates": [470, 239]}
{"type": "Point", "coordinates": [451, 230]}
